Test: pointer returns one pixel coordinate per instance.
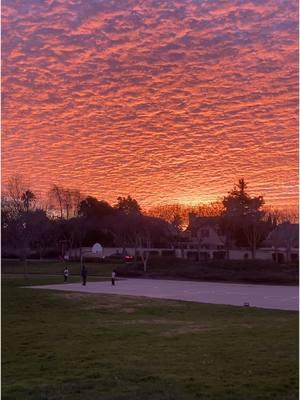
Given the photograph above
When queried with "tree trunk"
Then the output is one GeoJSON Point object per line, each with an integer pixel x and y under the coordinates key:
{"type": "Point", "coordinates": [81, 255]}
{"type": "Point", "coordinates": [288, 254]}
{"type": "Point", "coordinates": [254, 239]}
{"type": "Point", "coordinates": [276, 256]}
{"type": "Point", "coordinates": [227, 248]}
{"type": "Point", "coordinates": [135, 255]}
{"type": "Point", "coordinates": [199, 252]}
{"type": "Point", "coordinates": [145, 258]}
{"type": "Point", "coordinates": [25, 264]}
{"type": "Point", "coordinates": [25, 268]}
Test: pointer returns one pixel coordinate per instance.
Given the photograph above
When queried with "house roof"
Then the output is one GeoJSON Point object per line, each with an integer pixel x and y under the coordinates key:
{"type": "Point", "coordinates": [195, 221]}
{"type": "Point", "coordinates": [284, 234]}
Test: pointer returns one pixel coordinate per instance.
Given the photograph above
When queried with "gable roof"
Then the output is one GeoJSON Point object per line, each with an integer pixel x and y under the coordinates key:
{"type": "Point", "coordinates": [285, 234]}
{"type": "Point", "coordinates": [196, 222]}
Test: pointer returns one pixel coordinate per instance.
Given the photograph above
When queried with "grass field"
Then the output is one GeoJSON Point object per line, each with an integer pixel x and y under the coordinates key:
{"type": "Point", "coordinates": [55, 267]}
{"type": "Point", "coordinates": [258, 271]}
{"type": "Point", "coordinates": [72, 346]}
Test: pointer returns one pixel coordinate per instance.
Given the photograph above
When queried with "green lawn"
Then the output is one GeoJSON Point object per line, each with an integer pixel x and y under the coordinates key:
{"type": "Point", "coordinates": [73, 346]}
{"type": "Point", "coordinates": [55, 267]}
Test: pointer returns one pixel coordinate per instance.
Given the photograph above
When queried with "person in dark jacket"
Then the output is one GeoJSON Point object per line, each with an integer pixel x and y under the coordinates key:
{"type": "Point", "coordinates": [113, 278]}
{"type": "Point", "coordinates": [83, 274]}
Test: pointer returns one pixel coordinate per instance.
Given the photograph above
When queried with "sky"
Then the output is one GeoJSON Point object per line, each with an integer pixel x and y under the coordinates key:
{"type": "Point", "coordinates": [166, 100]}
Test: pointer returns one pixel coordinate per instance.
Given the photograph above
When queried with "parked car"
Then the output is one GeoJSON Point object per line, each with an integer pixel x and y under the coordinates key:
{"type": "Point", "coordinates": [120, 257]}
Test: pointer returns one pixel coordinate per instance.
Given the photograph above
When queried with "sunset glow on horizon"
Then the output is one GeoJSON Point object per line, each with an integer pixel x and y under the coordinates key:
{"type": "Point", "coordinates": [169, 101]}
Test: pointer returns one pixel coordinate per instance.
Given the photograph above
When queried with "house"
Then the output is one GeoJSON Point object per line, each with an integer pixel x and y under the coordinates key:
{"type": "Point", "coordinates": [284, 241]}
{"type": "Point", "coordinates": [203, 239]}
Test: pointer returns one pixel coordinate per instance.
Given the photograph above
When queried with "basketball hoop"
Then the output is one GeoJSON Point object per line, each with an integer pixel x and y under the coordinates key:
{"type": "Point", "coordinates": [97, 248]}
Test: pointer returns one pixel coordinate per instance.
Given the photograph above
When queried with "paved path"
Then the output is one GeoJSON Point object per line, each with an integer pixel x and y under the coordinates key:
{"type": "Point", "coordinates": [262, 296]}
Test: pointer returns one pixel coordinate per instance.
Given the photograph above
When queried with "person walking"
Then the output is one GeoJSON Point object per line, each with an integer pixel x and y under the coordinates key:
{"type": "Point", "coordinates": [113, 278]}
{"type": "Point", "coordinates": [66, 274]}
{"type": "Point", "coordinates": [83, 274]}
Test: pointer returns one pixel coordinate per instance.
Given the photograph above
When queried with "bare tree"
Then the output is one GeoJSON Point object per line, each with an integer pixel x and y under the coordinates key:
{"type": "Point", "coordinates": [56, 196]}
{"type": "Point", "coordinates": [171, 212]}
{"type": "Point", "coordinates": [213, 209]}
{"type": "Point", "coordinates": [76, 200]}
{"type": "Point", "coordinates": [254, 231]}
{"type": "Point", "coordinates": [65, 200]}
{"type": "Point", "coordinates": [148, 232]}
{"type": "Point", "coordinates": [18, 193]}
{"type": "Point", "coordinates": [280, 216]}
{"type": "Point", "coordinates": [143, 241]}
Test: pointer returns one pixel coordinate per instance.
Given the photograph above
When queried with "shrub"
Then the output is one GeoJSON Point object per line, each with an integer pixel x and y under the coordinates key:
{"type": "Point", "coordinates": [130, 270]}
{"type": "Point", "coordinates": [34, 256]}
{"type": "Point", "coordinates": [51, 253]}
{"type": "Point", "coordinates": [254, 271]}
{"type": "Point", "coordinates": [10, 255]}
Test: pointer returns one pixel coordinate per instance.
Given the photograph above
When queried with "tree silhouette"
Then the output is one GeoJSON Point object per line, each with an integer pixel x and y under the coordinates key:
{"type": "Point", "coordinates": [128, 205]}
{"type": "Point", "coordinates": [65, 201]}
{"type": "Point", "coordinates": [243, 215]}
{"type": "Point", "coordinates": [91, 207]}
{"type": "Point", "coordinates": [28, 198]}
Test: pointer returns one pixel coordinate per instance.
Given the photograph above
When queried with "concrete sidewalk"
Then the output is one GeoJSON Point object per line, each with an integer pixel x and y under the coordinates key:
{"type": "Point", "coordinates": [262, 296]}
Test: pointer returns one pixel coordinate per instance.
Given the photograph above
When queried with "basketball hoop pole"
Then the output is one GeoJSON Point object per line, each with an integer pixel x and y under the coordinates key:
{"type": "Point", "coordinates": [97, 249]}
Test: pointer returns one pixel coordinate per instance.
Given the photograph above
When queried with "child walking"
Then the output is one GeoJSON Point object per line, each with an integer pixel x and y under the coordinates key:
{"type": "Point", "coordinates": [66, 274]}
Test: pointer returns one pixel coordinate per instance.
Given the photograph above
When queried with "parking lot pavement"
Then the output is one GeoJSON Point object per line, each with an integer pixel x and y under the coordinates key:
{"type": "Point", "coordinates": [261, 296]}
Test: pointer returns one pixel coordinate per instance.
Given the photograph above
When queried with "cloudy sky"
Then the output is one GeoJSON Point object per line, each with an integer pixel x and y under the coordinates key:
{"type": "Point", "coordinates": [165, 100]}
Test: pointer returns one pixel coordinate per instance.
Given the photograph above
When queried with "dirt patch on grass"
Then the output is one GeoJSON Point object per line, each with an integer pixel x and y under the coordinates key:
{"type": "Point", "coordinates": [184, 327]}
{"type": "Point", "coordinates": [184, 330]}
{"type": "Point", "coordinates": [102, 302]}
{"type": "Point", "coordinates": [129, 310]}
{"type": "Point", "coordinates": [72, 296]}
{"type": "Point", "coordinates": [127, 304]}
{"type": "Point", "coordinates": [170, 327]}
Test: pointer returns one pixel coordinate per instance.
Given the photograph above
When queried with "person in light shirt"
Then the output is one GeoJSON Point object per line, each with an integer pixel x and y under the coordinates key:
{"type": "Point", "coordinates": [66, 274]}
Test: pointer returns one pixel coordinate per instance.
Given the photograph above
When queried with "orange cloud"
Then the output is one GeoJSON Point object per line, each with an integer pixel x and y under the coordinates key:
{"type": "Point", "coordinates": [163, 101]}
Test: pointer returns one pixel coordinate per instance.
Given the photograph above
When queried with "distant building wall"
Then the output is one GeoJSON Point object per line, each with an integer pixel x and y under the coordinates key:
{"type": "Point", "coordinates": [108, 251]}
{"type": "Point", "coordinates": [193, 254]}
{"type": "Point", "coordinates": [244, 254]}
